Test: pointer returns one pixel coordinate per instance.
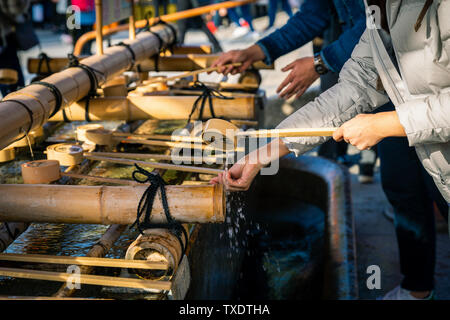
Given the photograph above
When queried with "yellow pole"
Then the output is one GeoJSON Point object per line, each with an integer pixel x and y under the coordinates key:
{"type": "Point", "coordinates": [99, 26]}
{"type": "Point", "coordinates": [132, 22]}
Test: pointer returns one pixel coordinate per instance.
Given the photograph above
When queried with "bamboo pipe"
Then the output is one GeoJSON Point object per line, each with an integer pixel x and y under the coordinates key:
{"type": "Point", "coordinates": [157, 107]}
{"type": "Point", "coordinates": [8, 76]}
{"type": "Point", "coordinates": [17, 228]}
{"type": "Point", "coordinates": [73, 83]}
{"type": "Point", "coordinates": [189, 74]}
{"type": "Point", "coordinates": [157, 156]}
{"type": "Point", "coordinates": [85, 279]}
{"type": "Point", "coordinates": [59, 63]}
{"type": "Point", "coordinates": [178, 61]}
{"type": "Point", "coordinates": [88, 36]}
{"type": "Point", "coordinates": [84, 261]}
{"type": "Point", "coordinates": [188, 62]}
{"type": "Point", "coordinates": [107, 205]}
{"type": "Point", "coordinates": [157, 165]}
{"type": "Point", "coordinates": [189, 49]}
{"type": "Point", "coordinates": [55, 64]}
{"type": "Point", "coordinates": [99, 249]}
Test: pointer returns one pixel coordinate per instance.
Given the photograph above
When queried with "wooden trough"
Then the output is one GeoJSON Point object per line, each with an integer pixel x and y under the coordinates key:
{"type": "Point", "coordinates": [217, 264]}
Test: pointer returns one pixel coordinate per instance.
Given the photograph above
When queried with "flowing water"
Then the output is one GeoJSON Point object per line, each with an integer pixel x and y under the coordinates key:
{"type": "Point", "coordinates": [285, 250]}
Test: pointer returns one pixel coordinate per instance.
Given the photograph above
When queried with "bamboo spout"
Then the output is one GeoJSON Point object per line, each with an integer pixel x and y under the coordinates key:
{"type": "Point", "coordinates": [107, 205]}
{"type": "Point", "coordinates": [30, 107]}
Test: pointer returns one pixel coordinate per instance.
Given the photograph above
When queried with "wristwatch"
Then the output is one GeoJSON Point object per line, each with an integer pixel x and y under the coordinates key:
{"type": "Point", "coordinates": [319, 65]}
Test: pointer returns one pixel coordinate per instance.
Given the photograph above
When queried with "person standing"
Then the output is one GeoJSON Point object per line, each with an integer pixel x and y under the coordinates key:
{"type": "Point", "coordinates": [273, 7]}
{"type": "Point", "coordinates": [13, 15]}
{"type": "Point", "coordinates": [381, 67]}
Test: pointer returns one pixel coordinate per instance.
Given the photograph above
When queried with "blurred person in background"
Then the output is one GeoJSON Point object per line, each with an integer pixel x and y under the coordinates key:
{"type": "Point", "coordinates": [413, 137]}
{"type": "Point", "coordinates": [196, 22]}
{"type": "Point", "coordinates": [273, 8]}
{"type": "Point", "coordinates": [16, 33]}
{"type": "Point", "coordinates": [340, 23]}
{"type": "Point", "coordinates": [243, 19]}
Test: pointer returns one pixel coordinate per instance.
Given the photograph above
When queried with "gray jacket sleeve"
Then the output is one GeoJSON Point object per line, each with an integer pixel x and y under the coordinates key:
{"type": "Point", "coordinates": [426, 120]}
{"type": "Point", "coordinates": [354, 93]}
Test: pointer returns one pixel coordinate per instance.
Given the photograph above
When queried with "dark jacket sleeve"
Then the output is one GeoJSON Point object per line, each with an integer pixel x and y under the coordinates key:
{"type": "Point", "coordinates": [339, 51]}
{"type": "Point", "coordinates": [310, 22]}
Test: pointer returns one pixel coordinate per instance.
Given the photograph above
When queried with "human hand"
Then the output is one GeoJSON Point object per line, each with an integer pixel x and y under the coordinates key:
{"type": "Point", "coordinates": [360, 132]}
{"type": "Point", "coordinates": [239, 177]}
{"type": "Point", "coordinates": [366, 130]}
{"type": "Point", "coordinates": [303, 74]}
{"type": "Point", "coordinates": [246, 57]}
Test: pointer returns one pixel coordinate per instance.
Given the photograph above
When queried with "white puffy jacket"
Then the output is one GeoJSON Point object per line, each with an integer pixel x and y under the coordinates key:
{"type": "Point", "coordinates": [420, 91]}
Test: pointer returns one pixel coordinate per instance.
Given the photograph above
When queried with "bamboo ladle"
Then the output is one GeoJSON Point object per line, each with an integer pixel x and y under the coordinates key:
{"type": "Point", "coordinates": [223, 135]}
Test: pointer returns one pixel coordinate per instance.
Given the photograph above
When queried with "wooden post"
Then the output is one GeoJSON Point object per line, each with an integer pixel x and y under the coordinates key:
{"type": "Point", "coordinates": [107, 205]}
{"type": "Point", "coordinates": [132, 22]}
{"type": "Point", "coordinates": [99, 26]}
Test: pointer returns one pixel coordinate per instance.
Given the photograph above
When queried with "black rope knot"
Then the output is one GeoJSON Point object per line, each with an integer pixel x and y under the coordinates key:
{"type": "Point", "coordinates": [161, 46]}
{"type": "Point", "coordinates": [145, 205]}
{"type": "Point", "coordinates": [207, 95]}
{"type": "Point", "coordinates": [43, 57]}
{"type": "Point", "coordinates": [133, 55]}
{"type": "Point", "coordinates": [74, 62]}
{"type": "Point", "coordinates": [56, 93]}
{"type": "Point", "coordinates": [30, 114]}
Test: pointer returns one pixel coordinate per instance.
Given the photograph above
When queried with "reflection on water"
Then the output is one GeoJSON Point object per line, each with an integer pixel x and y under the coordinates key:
{"type": "Point", "coordinates": [67, 240]}
{"type": "Point", "coordinates": [285, 254]}
{"type": "Point", "coordinates": [57, 239]}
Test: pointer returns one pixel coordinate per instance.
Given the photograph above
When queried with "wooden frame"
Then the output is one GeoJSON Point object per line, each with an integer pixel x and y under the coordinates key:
{"type": "Point", "coordinates": [84, 261]}
{"type": "Point", "coordinates": [86, 279]}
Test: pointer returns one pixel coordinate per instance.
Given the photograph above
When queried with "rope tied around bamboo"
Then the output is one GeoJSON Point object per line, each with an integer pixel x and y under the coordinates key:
{"type": "Point", "coordinates": [146, 205]}
{"type": "Point", "coordinates": [207, 94]}
{"type": "Point", "coordinates": [30, 114]}
{"type": "Point", "coordinates": [74, 62]}
{"type": "Point", "coordinates": [161, 48]}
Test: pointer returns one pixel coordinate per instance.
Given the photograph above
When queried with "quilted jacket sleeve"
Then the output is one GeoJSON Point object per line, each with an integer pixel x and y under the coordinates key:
{"type": "Point", "coordinates": [354, 93]}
